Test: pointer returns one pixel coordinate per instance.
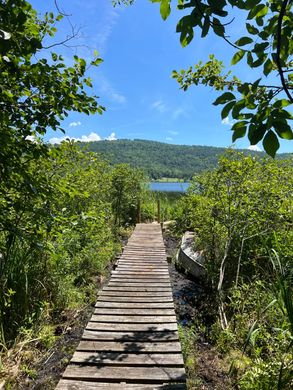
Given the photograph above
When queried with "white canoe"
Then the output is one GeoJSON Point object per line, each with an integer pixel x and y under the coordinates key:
{"type": "Point", "coordinates": [188, 258]}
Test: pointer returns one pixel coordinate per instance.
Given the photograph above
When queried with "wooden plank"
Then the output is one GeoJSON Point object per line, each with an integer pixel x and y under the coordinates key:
{"type": "Point", "coordinates": [128, 359]}
{"type": "Point", "coordinates": [138, 289]}
{"type": "Point", "coordinates": [130, 336]}
{"type": "Point", "coordinates": [67, 384]}
{"type": "Point", "coordinates": [157, 374]}
{"type": "Point", "coordinates": [138, 263]}
{"type": "Point", "coordinates": [142, 280]}
{"type": "Point", "coordinates": [144, 256]}
{"type": "Point", "coordinates": [106, 298]}
{"type": "Point", "coordinates": [138, 305]}
{"type": "Point", "coordinates": [114, 327]}
{"type": "Point", "coordinates": [142, 264]}
{"type": "Point", "coordinates": [138, 284]}
{"type": "Point", "coordinates": [129, 346]}
{"type": "Point", "coordinates": [143, 275]}
{"type": "Point", "coordinates": [149, 312]}
{"type": "Point", "coordinates": [136, 293]}
{"type": "Point", "coordinates": [151, 267]}
{"type": "Point", "coordinates": [132, 319]}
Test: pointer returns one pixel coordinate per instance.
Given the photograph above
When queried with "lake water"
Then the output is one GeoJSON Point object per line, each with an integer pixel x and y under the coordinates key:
{"type": "Point", "coordinates": [168, 187]}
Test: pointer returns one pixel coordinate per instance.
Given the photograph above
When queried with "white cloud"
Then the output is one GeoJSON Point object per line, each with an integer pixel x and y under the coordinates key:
{"type": "Point", "coordinates": [84, 138]}
{"type": "Point", "coordinates": [255, 148]}
{"type": "Point", "coordinates": [159, 106]}
{"type": "Point", "coordinates": [89, 138]}
{"type": "Point", "coordinates": [108, 25]}
{"type": "Point", "coordinates": [74, 124]}
{"type": "Point", "coordinates": [173, 132]}
{"type": "Point", "coordinates": [112, 137]}
{"type": "Point", "coordinates": [169, 139]}
{"type": "Point", "coordinates": [107, 90]}
{"type": "Point", "coordinates": [226, 121]}
{"type": "Point", "coordinates": [179, 112]}
{"type": "Point", "coordinates": [31, 138]}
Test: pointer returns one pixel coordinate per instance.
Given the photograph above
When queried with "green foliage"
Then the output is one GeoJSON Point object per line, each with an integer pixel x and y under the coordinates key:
{"type": "Point", "coordinates": [238, 211]}
{"type": "Point", "coordinates": [125, 191]}
{"type": "Point", "coordinates": [242, 216]}
{"type": "Point", "coordinates": [55, 243]}
{"type": "Point", "coordinates": [266, 45]}
{"type": "Point", "coordinates": [28, 106]}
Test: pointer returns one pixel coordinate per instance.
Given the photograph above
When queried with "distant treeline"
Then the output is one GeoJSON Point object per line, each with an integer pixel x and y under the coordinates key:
{"type": "Point", "coordinates": [159, 160]}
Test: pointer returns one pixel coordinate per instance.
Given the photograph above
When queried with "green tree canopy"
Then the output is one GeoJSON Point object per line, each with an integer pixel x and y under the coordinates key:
{"type": "Point", "coordinates": [36, 93]}
{"type": "Point", "coordinates": [258, 106]}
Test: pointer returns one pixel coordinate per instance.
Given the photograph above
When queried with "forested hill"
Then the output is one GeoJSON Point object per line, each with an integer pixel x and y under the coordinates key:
{"type": "Point", "coordinates": [159, 159]}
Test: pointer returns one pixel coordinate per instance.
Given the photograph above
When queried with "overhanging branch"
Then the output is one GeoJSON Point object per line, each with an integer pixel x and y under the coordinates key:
{"type": "Point", "coordinates": [278, 59]}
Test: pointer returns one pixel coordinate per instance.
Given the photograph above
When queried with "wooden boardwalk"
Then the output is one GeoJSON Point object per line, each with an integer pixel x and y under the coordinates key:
{"type": "Point", "coordinates": [131, 340]}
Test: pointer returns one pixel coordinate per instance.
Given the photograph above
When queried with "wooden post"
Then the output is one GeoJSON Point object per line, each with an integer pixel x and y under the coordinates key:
{"type": "Point", "coordinates": [159, 210]}
{"type": "Point", "coordinates": [138, 215]}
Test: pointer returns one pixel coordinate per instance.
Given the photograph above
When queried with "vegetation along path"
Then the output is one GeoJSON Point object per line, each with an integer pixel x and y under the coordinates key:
{"type": "Point", "coordinates": [132, 338]}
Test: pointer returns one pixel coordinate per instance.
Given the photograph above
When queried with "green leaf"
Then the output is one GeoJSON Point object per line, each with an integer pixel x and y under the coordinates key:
{"type": "Point", "coordinates": [237, 57]}
{"type": "Point", "coordinates": [227, 109]}
{"type": "Point", "coordinates": [226, 97]}
{"type": "Point", "coordinates": [283, 129]}
{"type": "Point", "coordinates": [239, 124]}
{"type": "Point", "coordinates": [281, 103]}
{"type": "Point", "coordinates": [218, 27]}
{"type": "Point", "coordinates": [256, 133]}
{"type": "Point", "coordinates": [271, 143]}
{"type": "Point", "coordinates": [257, 11]}
{"type": "Point", "coordinates": [206, 26]}
{"type": "Point", "coordinates": [165, 9]}
{"type": "Point", "coordinates": [238, 133]}
{"type": "Point", "coordinates": [237, 108]}
{"type": "Point", "coordinates": [186, 37]}
{"type": "Point", "coordinates": [243, 41]}
{"type": "Point", "coordinates": [260, 47]}
{"type": "Point", "coordinates": [251, 29]}
{"type": "Point", "coordinates": [268, 67]}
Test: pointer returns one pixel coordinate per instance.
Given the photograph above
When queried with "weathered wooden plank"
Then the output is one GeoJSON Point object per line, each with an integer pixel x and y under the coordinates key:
{"type": "Point", "coordinates": [149, 312]}
{"type": "Point", "coordinates": [138, 305]}
{"type": "Point", "coordinates": [67, 384]}
{"type": "Point", "coordinates": [142, 280]}
{"type": "Point", "coordinates": [138, 289]}
{"type": "Point", "coordinates": [128, 359]}
{"type": "Point", "coordinates": [131, 346]}
{"type": "Point", "coordinates": [142, 257]}
{"type": "Point", "coordinates": [123, 275]}
{"type": "Point", "coordinates": [106, 298]}
{"type": "Point", "coordinates": [143, 267]}
{"type": "Point", "coordinates": [132, 319]}
{"type": "Point", "coordinates": [130, 336]}
{"type": "Point", "coordinates": [151, 267]}
{"type": "Point", "coordinates": [122, 327]}
{"type": "Point", "coordinates": [144, 263]}
{"type": "Point", "coordinates": [159, 374]}
{"type": "Point", "coordinates": [136, 293]}
{"type": "Point", "coordinates": [139, 284]}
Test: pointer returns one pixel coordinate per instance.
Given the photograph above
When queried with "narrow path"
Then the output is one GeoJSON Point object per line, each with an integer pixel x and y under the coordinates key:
{"type": "Point", "coordinates": [131, 341]}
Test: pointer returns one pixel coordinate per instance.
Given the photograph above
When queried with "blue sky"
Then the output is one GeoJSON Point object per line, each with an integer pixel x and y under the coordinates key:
{"type": "Point", "coordinates": [134, 82]}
